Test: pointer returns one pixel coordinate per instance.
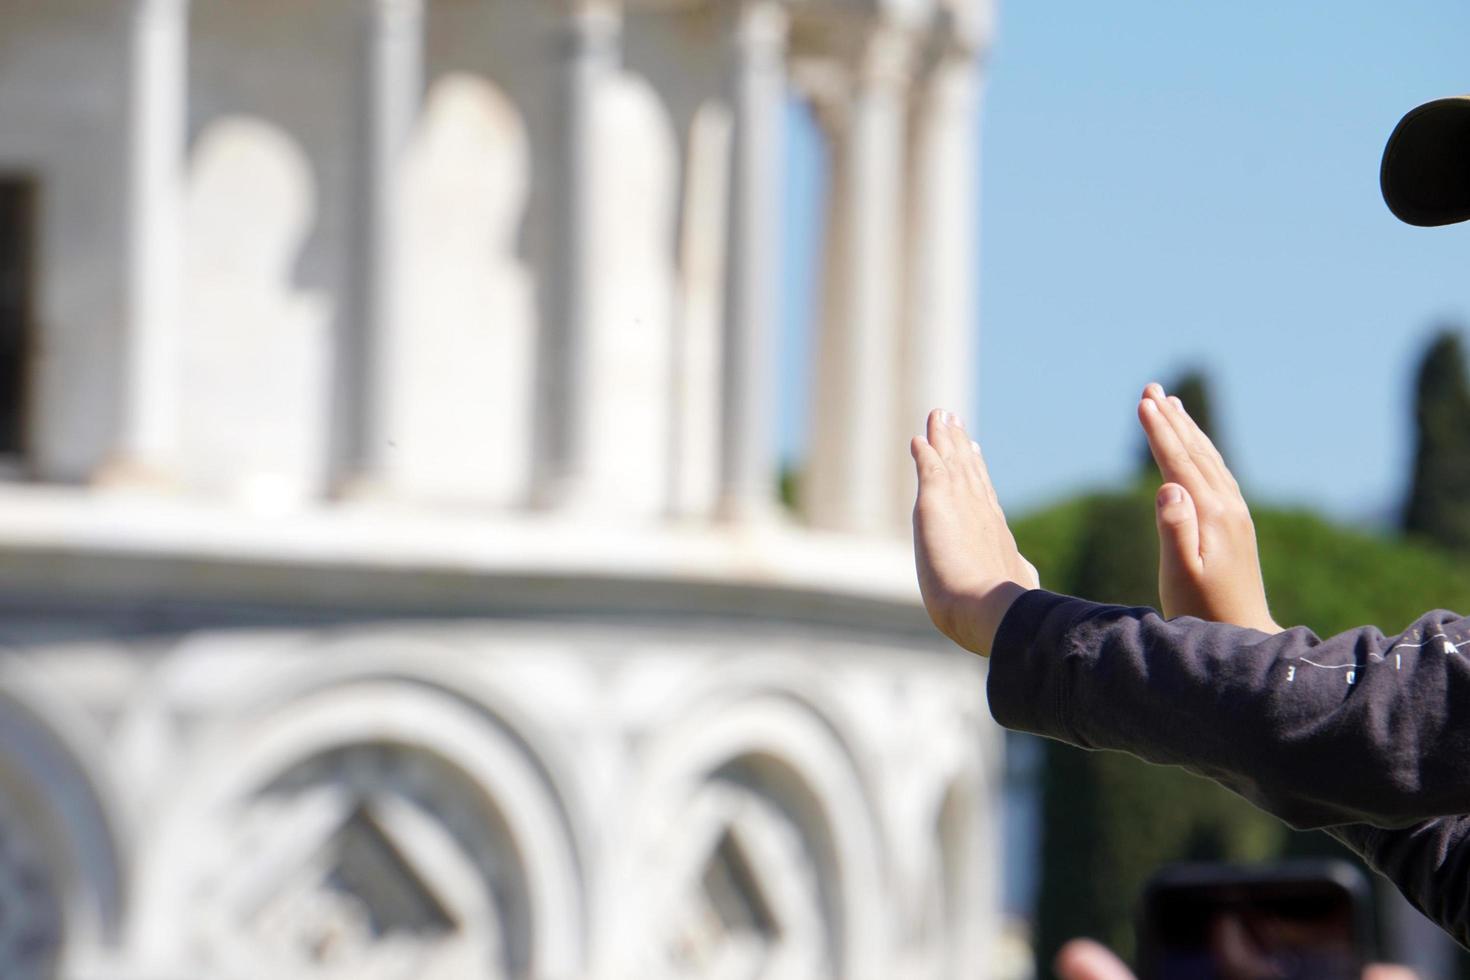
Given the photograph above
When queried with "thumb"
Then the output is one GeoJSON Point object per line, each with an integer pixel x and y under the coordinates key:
{"type": "Point", "coordinates": [1083, 959]}
{"type": "Point", "coordinates": [1178, 531]}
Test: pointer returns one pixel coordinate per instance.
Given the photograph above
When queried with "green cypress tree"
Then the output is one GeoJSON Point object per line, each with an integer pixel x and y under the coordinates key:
{"type": "Point", "coordinates": [1438, 506]}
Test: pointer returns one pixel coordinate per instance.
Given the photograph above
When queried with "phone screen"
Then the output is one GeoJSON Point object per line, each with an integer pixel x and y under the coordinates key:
{"type": "Point", "coordinates": [1270, 928]}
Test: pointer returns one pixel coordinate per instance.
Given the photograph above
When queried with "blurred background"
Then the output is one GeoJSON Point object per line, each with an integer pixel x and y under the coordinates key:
{"type": "Point", "coordinates": [454, 518]}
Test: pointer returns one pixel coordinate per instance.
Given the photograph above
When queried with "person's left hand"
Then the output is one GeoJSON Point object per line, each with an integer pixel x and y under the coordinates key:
{"type": "Point", "coordinates": [1208, 564]}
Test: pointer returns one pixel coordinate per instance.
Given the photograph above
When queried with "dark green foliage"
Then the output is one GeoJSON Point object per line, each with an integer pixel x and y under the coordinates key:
{"type": "Point", "coordinates": [1117, 558]}
{"type": "Point", "coordinates": [1331, 578]}
{"type": "Point", "coordinates": [1438, 506]}
{"type": "Point", "coordinates": [788, 487]}
{"type": "Point", "coordinates": [1110, 820]}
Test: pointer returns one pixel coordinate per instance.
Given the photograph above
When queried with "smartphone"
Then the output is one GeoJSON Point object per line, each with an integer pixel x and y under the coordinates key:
{"type": "Point", "coordinates": [1289, 921]}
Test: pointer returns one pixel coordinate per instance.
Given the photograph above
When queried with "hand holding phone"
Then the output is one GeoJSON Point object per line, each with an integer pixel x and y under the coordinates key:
{"type": "Point", "coordinates": [1290, 921]}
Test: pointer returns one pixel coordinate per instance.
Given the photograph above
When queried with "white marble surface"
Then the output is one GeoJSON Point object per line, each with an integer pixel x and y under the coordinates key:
{"type": "Point", "coordinates": [250, 728]}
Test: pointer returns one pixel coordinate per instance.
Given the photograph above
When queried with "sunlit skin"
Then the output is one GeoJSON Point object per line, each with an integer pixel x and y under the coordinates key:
{"type": "Point", "coordinates": [1208, 562]}
{"type": "Point", "coordinates": [970, 570]}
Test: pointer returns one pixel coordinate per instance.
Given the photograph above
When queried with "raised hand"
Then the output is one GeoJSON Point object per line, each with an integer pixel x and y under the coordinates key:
{"type": "Point", "coordinates": [1208, 564]}
{"type": "Point", "coordinates": [969, 568]}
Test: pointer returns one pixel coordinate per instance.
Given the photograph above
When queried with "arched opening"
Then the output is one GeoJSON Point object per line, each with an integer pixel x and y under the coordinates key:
{"type": "Point", "coordinates": [61, 859]}
{"type": "Point", "coordinates": [755, 893]}
{"type": "Point", "coordinates": [462, 396]}
{"type": "Point", "coordinates": [385, 822]}
{"type": "Point", "coordinates": [255, 351]}
{"type": "Point", "coordinates": [763, 845]}
{"type": "Point", "coordinates": [804, 220]}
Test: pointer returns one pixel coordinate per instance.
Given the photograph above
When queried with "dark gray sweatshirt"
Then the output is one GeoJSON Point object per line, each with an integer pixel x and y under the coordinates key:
{"type": "Point", "coordinates": [1365, 735]}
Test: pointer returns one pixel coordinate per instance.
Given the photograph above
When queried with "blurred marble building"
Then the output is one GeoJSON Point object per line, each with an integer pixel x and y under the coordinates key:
{"type": "Point", "coordinates": [393, 581]}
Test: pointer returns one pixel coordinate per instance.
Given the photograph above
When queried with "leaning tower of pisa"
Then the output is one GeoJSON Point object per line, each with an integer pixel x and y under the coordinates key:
{"type": "Point", "coordinates": [393, 581]}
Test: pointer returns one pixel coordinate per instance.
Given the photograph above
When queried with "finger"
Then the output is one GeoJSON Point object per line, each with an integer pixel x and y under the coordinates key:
{"type": "Point", "coordinates": [1201, 449]}
{"type": "Point", "coordinates": [1202, 439]}
{"type": "Point", "coordinates": [926, 460]}
{"type": "Point", "coordinates": [1175, 461]}
{"type": "Point", "coordinates": [979, 474]}
{"type": "Point", "coordinates": [1083, 959]}
{"type": "Point", "coordinates": [1178, 523]}
{"type": "Point", "coordinates": [944, 436]}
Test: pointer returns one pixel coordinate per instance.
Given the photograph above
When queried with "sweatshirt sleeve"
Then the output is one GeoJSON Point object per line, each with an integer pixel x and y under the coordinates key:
{"type": "Point", "coordinates": [1429, 862]}
{"type": "Point", "coordinates": [1354, 728]}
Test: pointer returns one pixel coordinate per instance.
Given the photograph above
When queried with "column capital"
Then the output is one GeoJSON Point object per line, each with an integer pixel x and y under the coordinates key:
{"type": "Point", "coordinates": [386, 16]}
{"type": "Point", "coordinates": [963, 29]}
{"type": "Point", "coordinates": [948, 44]}
{"type": "Point", "coordinates": [761, 26]}
{"type": "Point", "coordinates": [150, 11]}
{"type": "Point", "coordinates": [391, 7]}
{"type": "Point", "coordinates": [589, 30]}
{"type": "Point", "coordinates": [886, 56]}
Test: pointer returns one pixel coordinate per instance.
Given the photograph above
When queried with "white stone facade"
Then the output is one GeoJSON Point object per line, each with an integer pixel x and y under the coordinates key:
{"type": "Point", "coordinates": [392, 582]}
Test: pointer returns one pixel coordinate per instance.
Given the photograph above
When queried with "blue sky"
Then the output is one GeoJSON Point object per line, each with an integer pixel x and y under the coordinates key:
{"type": "Point", "coordinates": [1165, 185]}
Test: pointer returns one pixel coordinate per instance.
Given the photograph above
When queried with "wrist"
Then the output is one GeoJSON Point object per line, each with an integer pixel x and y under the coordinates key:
{"type": "Point", "coordinates": [987, 608]}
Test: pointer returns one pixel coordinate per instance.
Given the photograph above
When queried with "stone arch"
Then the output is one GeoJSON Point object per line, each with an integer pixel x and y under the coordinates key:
{"type": "Point", "coordinates": [763, 766]}
{"type": "Point", "coordinates": [438, 843]}
{"type": "Point", "coordinates": [466, 361]}
{"type": "Point", "coordinates": [255, 349]}
{"type": "Point", "coordinates": [801, 683]}
{"type": "Point", "coordinates": [63, 854]}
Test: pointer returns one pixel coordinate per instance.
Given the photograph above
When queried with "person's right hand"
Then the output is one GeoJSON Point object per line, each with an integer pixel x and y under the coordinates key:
{"type": "Point", "coordinates": [1208, 565]}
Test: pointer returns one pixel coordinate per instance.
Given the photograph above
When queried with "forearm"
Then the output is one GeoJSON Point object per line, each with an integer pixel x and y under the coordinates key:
{"type": "Point", "coordinates": [1352, 728]}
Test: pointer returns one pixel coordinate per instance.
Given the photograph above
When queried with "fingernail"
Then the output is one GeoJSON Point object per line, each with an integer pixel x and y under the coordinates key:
{"type": "Point", "coordinates": [1154, 390]}
{"type": "Point", "coordinates": [943, 417]}
{"type": "Point", "coordinates": [1149, 406]}
{"type": "Point", "coordinates": [956, 422]}
{"type": "Point", "coordinates": [1171, 495]}
{"type": "Point", "coordinates": [975, 446]}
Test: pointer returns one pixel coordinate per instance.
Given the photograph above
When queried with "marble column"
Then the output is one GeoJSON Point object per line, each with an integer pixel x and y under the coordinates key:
{"type": "Point", "coordinates": [390, 90]}
{"type": "Point", "coordinates": [753, 263]}
{"type": "Point", "coordinates": [146, 438]}
{"type": "Point", "coordinates": [850, 486]}
{"type": "Point", "coordinates": [937, 345]}
{"type": "Point", "coordinates": [586, 60]}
